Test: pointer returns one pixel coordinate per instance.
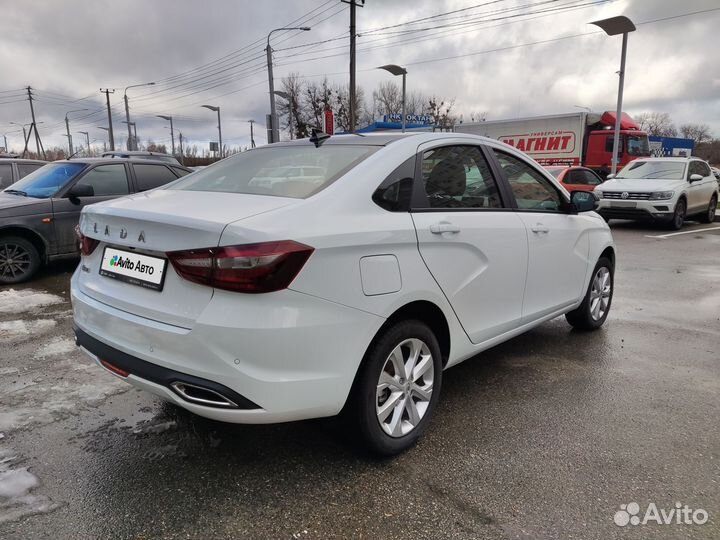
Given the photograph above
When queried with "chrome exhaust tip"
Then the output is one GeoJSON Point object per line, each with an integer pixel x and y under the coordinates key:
{"type": "Point", "coordinates": [201, 395]}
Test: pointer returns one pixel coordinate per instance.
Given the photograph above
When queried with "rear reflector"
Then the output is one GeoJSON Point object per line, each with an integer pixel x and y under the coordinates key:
{"type": "Point", "coordinates": [116, 370]}
{"type": "Point", "coordinates": [87, 244]}
{"type": "Point", "coordinates": [249, 268]}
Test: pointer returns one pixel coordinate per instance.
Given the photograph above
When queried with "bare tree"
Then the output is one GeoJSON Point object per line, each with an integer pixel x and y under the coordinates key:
{"type": "Point", "coordinates": [657, 124]}
{"type": "Point", "coordinates": [697, 132]}
{"type": "Point", "coordinates": [387, 99]}
{"type": "Point", "coordinates": [441, 112]}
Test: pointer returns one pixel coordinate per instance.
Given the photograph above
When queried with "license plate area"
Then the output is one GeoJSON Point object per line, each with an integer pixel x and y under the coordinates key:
{"type": "Point", "coordinates": [623, 204]}
{"type": "Point", "coordinates": [134, 268]}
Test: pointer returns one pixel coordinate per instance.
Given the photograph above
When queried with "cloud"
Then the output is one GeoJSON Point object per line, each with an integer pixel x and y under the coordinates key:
{"type": "Point", "coordinates": [68, 50]}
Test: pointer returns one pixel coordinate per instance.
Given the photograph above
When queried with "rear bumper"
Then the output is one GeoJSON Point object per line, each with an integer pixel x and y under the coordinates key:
{"type": "Point", "coordinates": [288, 357]}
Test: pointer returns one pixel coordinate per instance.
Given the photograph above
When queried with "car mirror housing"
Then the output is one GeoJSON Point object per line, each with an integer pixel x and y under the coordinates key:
{"type": "Point", "coordinates": [610, 176]}
{"type": "Point", "coordinates": [80, 190]}
{"type": "Point", "coordinates": [583, 201]}
{"type": "Point", "coordinates": [696, 177]}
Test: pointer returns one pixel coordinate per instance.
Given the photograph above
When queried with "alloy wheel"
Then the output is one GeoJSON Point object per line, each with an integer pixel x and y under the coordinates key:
{"type": "Point", "coordinates": [680, 214]}
{"type": "Point", "coordinates": [14, 260]}
{"type": "Point", "coordinates": [712, 209]}
{"type": "Point", "coordinates": [405, 387]}
{"type": "Point", "coordinates": [600, 293]}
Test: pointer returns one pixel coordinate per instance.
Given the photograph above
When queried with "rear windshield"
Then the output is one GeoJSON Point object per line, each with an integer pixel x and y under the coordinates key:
{"type": "Point", "coordinates": [282, 171]}
{"type": "Point", "coordinates": [669, 170]}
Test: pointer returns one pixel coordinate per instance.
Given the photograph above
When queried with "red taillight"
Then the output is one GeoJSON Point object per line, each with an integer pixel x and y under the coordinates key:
{"type": "Point", "coordinates": [116, 370]}
{"type": "Point", "coordinates": [250, 268]}
{"type": "Point", "coordinates": [87, 244]}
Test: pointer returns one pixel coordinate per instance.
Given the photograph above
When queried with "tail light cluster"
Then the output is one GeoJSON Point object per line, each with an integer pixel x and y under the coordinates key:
{"type": "Point", "coordinates": [87, 244]}
{"type": "Point", "coordinates": [249, 268]}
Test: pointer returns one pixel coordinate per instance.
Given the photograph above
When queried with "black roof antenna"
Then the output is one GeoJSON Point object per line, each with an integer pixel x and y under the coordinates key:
{"type": "Point", "coordinates": [318, 137]}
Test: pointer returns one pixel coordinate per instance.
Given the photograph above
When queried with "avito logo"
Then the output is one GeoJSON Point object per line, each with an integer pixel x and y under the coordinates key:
{"type": "Point", "coordinates": [128, 264]}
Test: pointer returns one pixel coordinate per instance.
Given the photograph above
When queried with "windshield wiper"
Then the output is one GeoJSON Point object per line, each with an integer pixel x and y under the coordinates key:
{"type": "Point", "coordinates": [16, 192]}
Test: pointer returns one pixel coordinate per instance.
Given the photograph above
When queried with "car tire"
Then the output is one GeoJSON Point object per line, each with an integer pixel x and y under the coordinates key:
{"type": "Point", "coordinates": [709, 215]}
{"type": "Point", "coordinates": [389, 410]}
{"type": "Point", "coordinates": [19, 260]}
{"type": "Point", "coordinates": [678, 217]}
{"type": "Point", "coordinates": [592, 313]}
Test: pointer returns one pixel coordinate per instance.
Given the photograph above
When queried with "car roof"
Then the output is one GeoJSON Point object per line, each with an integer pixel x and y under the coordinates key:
{"type": "Point", "coordinates": [667, 159]}
{"type": "Point", "coordinates": [135, 153]}
{"type": "Point", "coordinates": [385, 138]}
{"type": "Point", "coordinates": [6, 159]}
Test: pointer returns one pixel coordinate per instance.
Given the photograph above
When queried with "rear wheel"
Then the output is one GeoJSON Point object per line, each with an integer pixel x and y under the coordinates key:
{"type": "Point", "coordinates": [679, 216]}
{"type": "Point", "coordinates": [19, 260]}
{"type": "Point", "coordinates": [593, 311]}
{"type": "Point", "coordinates": [397, 388]}
{"type": "Point", "coordinates": [709, 215]}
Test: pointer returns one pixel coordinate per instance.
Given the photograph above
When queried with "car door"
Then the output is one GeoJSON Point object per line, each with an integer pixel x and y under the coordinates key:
{"type": "Point", "coordinates": [108, 181]}
{"type": "Point", "coordinates": [558, 244]}
{"type": "Point", "coordinates": [6, 175]}
{"type": "Point", "coordinates": [706, 187]}
{"type": "Point", "coordinates": [472, 243]}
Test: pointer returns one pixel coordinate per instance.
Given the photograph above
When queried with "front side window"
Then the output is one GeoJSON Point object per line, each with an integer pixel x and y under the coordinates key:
{"type": "Point", "coordinates": [152, 176]}
{"type": "Point", "coordinates": [107, 180]}
{"type": "Point", "coordinates": [48, 179]}
{"type": "Point", "coordinates": [458, 177]}
{"type": "Point", "coordinates": [531, 189]}
{"type": "Point", "coordinates": [278, 170]}
{"type": "Point", "coordinates": [586, 178]}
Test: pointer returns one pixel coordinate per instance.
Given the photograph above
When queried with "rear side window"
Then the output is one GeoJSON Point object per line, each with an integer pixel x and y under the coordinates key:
{"type": "Point", "coordinates": [26, 168]}
{"type": "Point", "coordinates": [107, 180]}
{"type": "Point", "coordinates": [531, 189]}
{"type": "Point", "coordinates": [586, 178]}
{"type": "Point", "coordinates": [395, 192]}
{"type": "Point", "coordinates": [458, 177]}
{"type": "Point", "coordinates": [5, 175]}
{"type": "Point", "coordinates": [152, 176]}
{"type": "Point", "coordinates": [278, 170]}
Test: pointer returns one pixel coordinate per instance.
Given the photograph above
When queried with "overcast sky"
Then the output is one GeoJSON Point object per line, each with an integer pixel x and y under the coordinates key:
{"type": "Point", "coordinates": [66, 50]}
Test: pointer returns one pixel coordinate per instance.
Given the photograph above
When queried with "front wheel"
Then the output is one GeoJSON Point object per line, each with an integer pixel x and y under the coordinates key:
{"type": "Point", "coordinates": [19, 260]}
{"type": "Point", "coordinates": [397, 388]}
{"type": "Point", "coordinates": [709, 215]}
{"type": "Point", "coordinates": [593, 311]}
{"type": "Point", "coordinates": [679, 216]}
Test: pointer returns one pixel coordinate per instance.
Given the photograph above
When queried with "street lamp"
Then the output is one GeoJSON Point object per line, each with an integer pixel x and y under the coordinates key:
{"type": "Point", "coordinates": [87, 138]}
{"type": "Point", "coordinates": [134, 128]}
{"type": "Point", "coordinates": [289, 99]}
{"type": "Point", "coordinates": [252, 134]}
{"type": "Point", "coordinates": [398, 70]}
{"type": "Point", "coordinates": [612, 27]}
{"type": "Point", "coordinates": [172, 132]}
{"type": "Point", "coordinates": [274, 131]}
{"type": "Point", "coordinates": [217, 109]}
{"type": "Point", "coordinates": [5, 137]}
{"type": "Point", "coordinates": [131, 143]}
{"type": "Point", "coordinates": [67, 129]}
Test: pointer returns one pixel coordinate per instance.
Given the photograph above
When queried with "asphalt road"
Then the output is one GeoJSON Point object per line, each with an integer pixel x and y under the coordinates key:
{"type": "Point", "coordinates": [542, 437]}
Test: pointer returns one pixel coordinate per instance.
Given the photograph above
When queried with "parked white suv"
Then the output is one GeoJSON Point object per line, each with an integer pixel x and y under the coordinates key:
{"type": "Point", "coordinates": [253, 303]}
{"type": "Point", "coordinates": [669, 190]}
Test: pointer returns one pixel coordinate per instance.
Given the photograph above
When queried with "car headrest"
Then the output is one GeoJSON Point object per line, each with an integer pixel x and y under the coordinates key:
{"type": "Point", "coordinates": [448, 176]}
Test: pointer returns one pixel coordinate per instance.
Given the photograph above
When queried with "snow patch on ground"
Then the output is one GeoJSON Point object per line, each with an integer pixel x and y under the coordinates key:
{"type": "Point", "coordinates": [55, 347]}
{"type": "Point", "coordinates": [12, 301]}
{"type": "Point", "coordinates": [16, 483]}
{"type": "Point", "coordinates": [10, 330]}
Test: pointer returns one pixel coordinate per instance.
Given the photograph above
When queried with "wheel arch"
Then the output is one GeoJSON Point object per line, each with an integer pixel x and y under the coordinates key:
{"type": "Point", "coordinates": [609, 252]}
{"type": "Point", "coordinates": [31, 236]}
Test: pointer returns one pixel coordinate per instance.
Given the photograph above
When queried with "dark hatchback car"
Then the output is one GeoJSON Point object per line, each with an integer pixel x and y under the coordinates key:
{"type": "Point", "coordinates": [38, 214]}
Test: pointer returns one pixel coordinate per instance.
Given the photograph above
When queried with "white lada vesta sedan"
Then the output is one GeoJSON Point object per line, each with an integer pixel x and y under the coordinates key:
{"type": "Point", "coordinates": [320, 276]}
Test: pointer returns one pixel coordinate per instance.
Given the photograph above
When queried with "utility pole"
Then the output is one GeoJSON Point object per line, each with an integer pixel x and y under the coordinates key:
{"type": "Point", "coordinates": [252, 135]}
{"type": "Point", "coordinates": [67, 128]}
{"type": "Point", "coordinates": [172, 132]}
{"type": "Point", "coordinates": [87, 138]}
{"type": "Point", "coordinates": [182, 155]}
{"type": "Point", "coordinates": [38, 142]}
{"type": "Point", "coordinates": [353, 33]}
{"type": "Point", "coordinates": [107, 93]}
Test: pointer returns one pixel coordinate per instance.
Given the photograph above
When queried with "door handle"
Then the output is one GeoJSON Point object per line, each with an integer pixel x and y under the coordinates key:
{"type": "Point", "coordinates": [443, 227]}
{"type": "Point", "coordinates": [540, 229]}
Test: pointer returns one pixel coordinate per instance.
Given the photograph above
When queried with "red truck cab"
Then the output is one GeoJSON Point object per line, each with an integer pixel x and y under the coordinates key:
{"type": "Point", "coordinates": [599, 143]}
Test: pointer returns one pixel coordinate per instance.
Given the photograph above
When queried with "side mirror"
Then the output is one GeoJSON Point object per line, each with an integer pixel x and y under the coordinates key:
{"type": "Point", "coordinates": [696, 177]}
{"type": "Point", "coordinates": [80, 190]}
{"type": "Point", "coordinates": [610, 176]}
{"type": "Point", "coordinates": [584, 201]}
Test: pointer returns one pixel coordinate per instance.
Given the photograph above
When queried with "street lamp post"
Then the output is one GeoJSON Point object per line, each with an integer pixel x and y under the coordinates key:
{"type": "Point", "coordinates": [131, 143]}
{"type": "Point", "coordinates": [252, 134]}
{"type": "Point", "coordinates": [612, 27]}
{"type": "Point", "coordinates": [67, 129]}
{"type": "Point", "coordinates": [172, 132]}
{"type": "Point", "coordinates": [87, 138]}
{"type": "Point", "coordinates": [274, 131]}
{"type": "Point", "coordinates": [398, 70]}
{"type": "Point", "coordinates": [217, 109]}
{"type": "Point", "coordinates": [289, 99]}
